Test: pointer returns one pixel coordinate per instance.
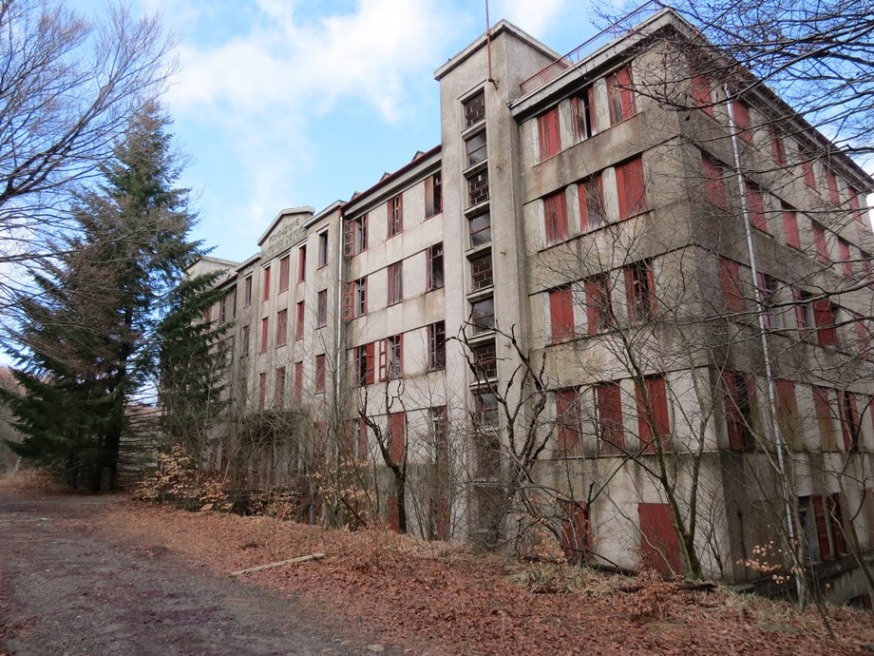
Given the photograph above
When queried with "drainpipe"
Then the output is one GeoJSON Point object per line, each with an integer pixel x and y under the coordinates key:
{"type": "Point", "coordinates": [339, 349]}
{"type": "Point", "coordinates": [779, 442]}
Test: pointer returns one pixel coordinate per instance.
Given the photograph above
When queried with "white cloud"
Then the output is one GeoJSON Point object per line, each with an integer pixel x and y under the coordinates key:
{"type": "Point", "coordinates": [533, 16]}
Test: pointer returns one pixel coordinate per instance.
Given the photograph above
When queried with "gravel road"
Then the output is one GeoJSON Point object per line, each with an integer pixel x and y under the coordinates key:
{"type": "Point", "coordinates": [67, 590]}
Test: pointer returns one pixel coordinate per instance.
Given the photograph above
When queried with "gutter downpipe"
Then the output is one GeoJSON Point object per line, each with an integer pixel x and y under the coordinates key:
{"type": "Point", "coordinates": [766, 354]}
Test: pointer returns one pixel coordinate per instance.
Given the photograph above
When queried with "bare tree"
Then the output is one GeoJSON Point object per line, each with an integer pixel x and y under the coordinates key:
{"type": "Point", "coordinates": [67, 91]}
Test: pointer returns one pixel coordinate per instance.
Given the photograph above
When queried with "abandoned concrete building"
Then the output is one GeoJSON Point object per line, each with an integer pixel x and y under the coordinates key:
{"type": "Point", "coordinates": [627, 298]}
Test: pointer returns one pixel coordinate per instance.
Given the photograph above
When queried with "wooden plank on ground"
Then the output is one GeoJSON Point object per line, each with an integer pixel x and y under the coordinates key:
{"type": "Point", "coordinates": [280, 563]}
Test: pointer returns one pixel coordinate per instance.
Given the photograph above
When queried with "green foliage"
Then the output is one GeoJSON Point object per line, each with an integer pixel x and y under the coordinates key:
{"type": "Point", "coordinates": [89, 341]}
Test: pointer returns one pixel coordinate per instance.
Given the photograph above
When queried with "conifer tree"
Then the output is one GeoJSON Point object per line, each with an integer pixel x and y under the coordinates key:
{"type": "Point", "coordinates": [90, 340]}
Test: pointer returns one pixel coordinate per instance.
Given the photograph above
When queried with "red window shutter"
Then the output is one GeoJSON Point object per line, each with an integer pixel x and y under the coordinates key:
{"type": "Point", "coordinates": [592, 311]}
{"type": "Point", "coordinates": [787, 411]}
{"type": "Point", "coordinates": [714, 183]}
{"type": "Point", "coordinates": [298, 380]}
{"type": "Point", "coordinates": [593, 114]}
{"type": "Point", "coordinates": [591, 195]}
{"type": "Point", "coordinates": [561, 314]}
{"type": "Point", "coordinates": [831, 183]}
{"type": "Point", "coordinates": [631, 188]}
{"type": "Point", "coordinates": [568, 419]}
{"type": "Point", "coordinates": [824, 418]}
{"type": "Point", "coordinates": [609, 399]}
{"type": "Point", "coordinates": [742, 118]}
{"type": "Point", "coordinates": [555, 218]}
{"type": "Point", "coordinates": [756, 206]}
{"type": "Point", "coordinates": [849, 412]}
{"type": "Point", "coordinates": [576, 531]}
{"type": "Point", "coordinates": [266, 278]}
{"type": "Point", "coordinates": [825, 549]}
{"type": "Point", "coordinates": [264, 334]}
{"type": "Point", "coordinates": [844, 254]}
{"type": "Point", "coordinates": [654, 413]}
{"type": "Point", "coordinates": [626, 92]}
{"type": "Point", "coordinates": [397, 437]}
{"type": "Point", "coordinates": [778, 151]}
{"type": "Point", "coordinates": [823, 314]}
{"type": "Point", "coordinates": [548, 133]}
{"type": "Point", "coordinates": [729, 272]}
{"type": "Point", "coordinates": [855, 204]}
{"type": "Point", "coordinates": [836, 522]}
{"type": "Point", "coordinates": [659, 543]}
{"type": "Point", "coordinates": [701, 95]}
{"type": "Point", "coordinates": [349, 239]}
{"type": "Point", "coordinates": [790, 227]}
{"type": "Point", "coordinates": [807, 172]}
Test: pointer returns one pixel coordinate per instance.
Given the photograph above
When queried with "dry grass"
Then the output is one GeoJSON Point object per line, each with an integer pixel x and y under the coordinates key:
{"type": "Point", "coordinates": [28, 482]}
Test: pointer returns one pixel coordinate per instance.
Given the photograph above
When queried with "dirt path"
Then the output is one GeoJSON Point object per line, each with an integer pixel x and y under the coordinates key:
{"type": "Point", "coordinates": [66, 590]}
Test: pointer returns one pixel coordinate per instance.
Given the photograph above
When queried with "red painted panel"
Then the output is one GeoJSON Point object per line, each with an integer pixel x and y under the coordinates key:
{"type": "Point", "coordinates": [659, 543]}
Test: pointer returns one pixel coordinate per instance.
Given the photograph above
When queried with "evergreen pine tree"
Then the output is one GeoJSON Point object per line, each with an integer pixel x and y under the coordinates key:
{"type": "Point", "coordinates": [90, 340]}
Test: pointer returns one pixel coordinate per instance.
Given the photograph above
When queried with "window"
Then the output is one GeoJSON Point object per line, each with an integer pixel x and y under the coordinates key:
{"type": "Point", "coordinates": [482, 315]}
{"type": "Point", "coordinates": [599, 308]}
{"type": "Point", "coordinates": [395, 282]}
{"type": "Point", "coordinates": [247, 291]}
{"type": "Point", "coordinates": [790, 226]}
{"type": "Point", "coordinates": [831, 184]}
{"type": "Point", "coordinates": [364, 370]}
{"type": "Point", "coordinates": [298, 381]}
{"type": "Point", "coordinates": [729, 273]}
{"type": "Point", "coordinates": [283, 274]}
{"type": "Point", "coordinates": [739, 396]}
{"type": "Point", "coordinates": [620, 95]}
{"type": "Point", "coordinates": [804, 318]}
{"type": "Point", "coordinates": [714, 183]}
{"type": "Point", "coordinates": [640, 291]}
{"type": "Point", "coordinates": [701, 95]}
{"type": "Point", "coordinates": [844, 257]}
{"type": "Point", "coordinates": [653, 420]}
{"type": "Point", "coordinates": [631, 188]}
{"type": "Point", "coordinates": [807, 170]}
{"type": "Point", "coordinates": [323, 249]}
{"type": "Point", "coordinates": [608, 408]}
{"type": "Point", "coordinates": [476, 148]}
{"type": "Point", "coordinates": [229, 301]}
{"type": "Point", "coordinates": [568, 421]}
{"type": "Point", "coordinates": [788, 419]}
{"type": "Point", "coordinates": [262, 390]}
{"type": "Point", "coordinates": [322, 309]}
{"type": "Point", "coordinates": [264, 334]}
{"type": "Point", "coordinates": [279, 387]}
{"type": "Point", "coordinates": [485, 361]}
{"type": "Point", "coordinates": [434, 264]}
{"type": "Point", "coordinates": [561, 314]}
{"type": "Point", "coordinates": [397, 437]}
{"type": "Point", "coordinates": [778, 150]}
{"type": "Point", "coordinates": [755, 206]}
{"type": "Point", "coordinates": [485, 409]}
{"type": "Point", "coordinates": [391, 356]}
{"type": "Point", "coordinates": [822, 407]}
{"type": "Point", "coordinates": [591, 193]}
{"type": "Point", "coordinates": [768, 289]}
{"type": "Point", "coordinates": [396, 215]}
{"type": "Point", "coordinates": [863, 335]}
{"type": "Point", "coordinates": [299, 320]}
{"type": "Point", "coordinates": [320, 373]}
{"type": "Point", "coordinates": [481, 272]}
{"type": "Point", "coordinates": [822, 526]}
{"type": "Point", "coordinates": [434, 195]}
{"type": "Point", "coordinates": [437, 346]}
{"type": "Point", "coordinates": [742, 120]}
{"type": "Point", "coordinates": [583, 115]}
{"type": "Point", "coordinates": [244, 350]}
{"type": "Point", "coordinates": [480, 228]}
{"type": "Point", "coordinates": [355, 300]}
{"type": "Point", "coordinates": [265, 277]}
{"type": "Point", "coordinates": [474, 109]}
{"type": "Point", "coordinates": [355, 236]}
{"type": "Point", "coordinates": [555, 217]}
{"type": "Point", "coordinates": [825, 314]}
{"type": "Point", "coordinates": [281, 327]}
{"type": "Point", "coordinates": [548, 135]}
{"type": "Point", "coordinates": [478, 188]}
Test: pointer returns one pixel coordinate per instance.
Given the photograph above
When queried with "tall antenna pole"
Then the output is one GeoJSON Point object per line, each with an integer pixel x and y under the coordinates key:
{"type": "Point", "coordinates": [489, 40]}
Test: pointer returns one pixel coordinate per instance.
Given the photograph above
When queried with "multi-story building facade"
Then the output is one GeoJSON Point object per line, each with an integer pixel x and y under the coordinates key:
{"type": "Point", "coordinates": [621, 299]}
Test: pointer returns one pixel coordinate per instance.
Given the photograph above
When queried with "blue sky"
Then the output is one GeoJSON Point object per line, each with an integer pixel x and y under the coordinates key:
{"type": "Point", "coordinates": [282, 103]}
